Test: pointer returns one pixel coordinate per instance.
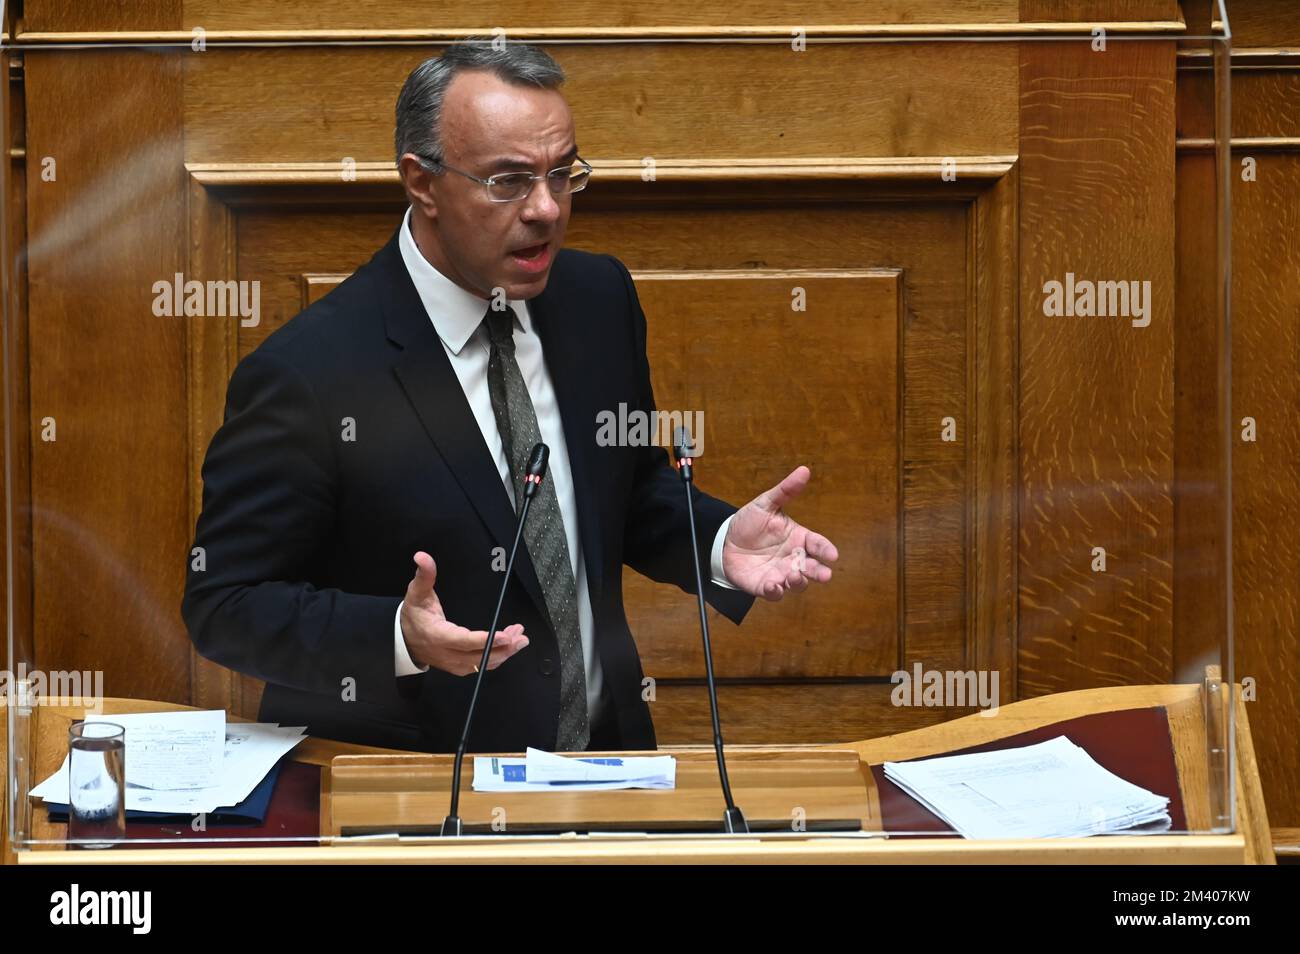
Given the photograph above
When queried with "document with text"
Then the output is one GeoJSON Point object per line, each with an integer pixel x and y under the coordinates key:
{"type": "Point", "coordinates": [1050, 790]}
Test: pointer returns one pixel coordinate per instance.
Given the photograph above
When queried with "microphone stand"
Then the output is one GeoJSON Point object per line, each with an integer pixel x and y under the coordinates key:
{"type": "Point", "coordinates": [452, 825]}
{"type": "Point", "coordinates": [733, 820]}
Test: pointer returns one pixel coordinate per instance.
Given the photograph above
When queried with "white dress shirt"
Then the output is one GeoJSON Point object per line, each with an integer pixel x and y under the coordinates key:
{"type": "Point", "coordinates": [457, 317]}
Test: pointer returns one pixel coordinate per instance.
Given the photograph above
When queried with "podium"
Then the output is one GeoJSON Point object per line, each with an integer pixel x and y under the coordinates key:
{"type": "Point", "coordinates": [781, 790]}
{"type": "Point", "coordinates": [361, 789]}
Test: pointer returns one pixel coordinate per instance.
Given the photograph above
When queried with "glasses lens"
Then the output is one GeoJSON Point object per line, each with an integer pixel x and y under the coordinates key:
{"type": "Point", "coordinates": [571, 179]}
{"type": "Point", "coordinates": [511, 186]}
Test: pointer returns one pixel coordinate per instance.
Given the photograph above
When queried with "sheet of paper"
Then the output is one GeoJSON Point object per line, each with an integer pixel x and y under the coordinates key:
{"type": "Point", "coordinates": [495, 774]}
{"type": "Point", "coordinates": [1052, 789]}
{"type": "Point", "coordinates": [250, 751]}
{"type": "Point", "coordinates": [172, 750]}
{"type": "Point", "coordinates": [186, 802]}
{"type": "Point", "coordinates": [547, 767]}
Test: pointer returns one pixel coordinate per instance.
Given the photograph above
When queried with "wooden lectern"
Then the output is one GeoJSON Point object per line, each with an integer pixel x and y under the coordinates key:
{"type": "Point", "coordinates": [806, 797]}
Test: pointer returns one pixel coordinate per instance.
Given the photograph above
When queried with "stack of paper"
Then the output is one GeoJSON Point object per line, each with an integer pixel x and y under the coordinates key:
{"type": "Point", "coordinates": [188, 763]}
{"type": "Point", "coordinates": [544, 772]}
{"type": "Point", "coordinates": [1050, 790]}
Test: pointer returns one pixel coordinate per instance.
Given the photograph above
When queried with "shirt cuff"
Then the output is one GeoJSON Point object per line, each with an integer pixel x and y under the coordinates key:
{"type": "Point", "coordinates": [719, 577]}
{"type": "Point", "coordinates": [402, 661]}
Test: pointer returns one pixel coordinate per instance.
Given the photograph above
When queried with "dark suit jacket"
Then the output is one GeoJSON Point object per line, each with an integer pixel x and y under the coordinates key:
{"type": "Point", "coordinates": [307, 537]}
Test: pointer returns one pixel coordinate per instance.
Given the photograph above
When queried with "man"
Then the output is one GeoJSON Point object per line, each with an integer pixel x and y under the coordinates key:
{"type": "Point", "coordinates": [391, 421]}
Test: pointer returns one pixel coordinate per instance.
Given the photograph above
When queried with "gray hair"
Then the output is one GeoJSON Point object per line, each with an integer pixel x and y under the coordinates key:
{"type": "Point", "coordinates": [419, 106]}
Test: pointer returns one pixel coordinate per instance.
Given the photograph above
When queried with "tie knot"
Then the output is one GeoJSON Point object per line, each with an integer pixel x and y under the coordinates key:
{"type": "Point", "coordinates": [501, 329]}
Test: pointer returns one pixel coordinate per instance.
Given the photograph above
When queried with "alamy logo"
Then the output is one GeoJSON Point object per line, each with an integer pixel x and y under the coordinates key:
{"type": "Point", "coordinates": [1085, 299]}
{"type": "Point", "coordinates": [948, 688]}
{"type": "Point", "coordinates": [103, 907]}
{"type": "Point", "coordinates": [213, 299]}
{"type": "Point", "coordinates": [53, 687]}
{"type": "Point", "coordinates": [638, 428]}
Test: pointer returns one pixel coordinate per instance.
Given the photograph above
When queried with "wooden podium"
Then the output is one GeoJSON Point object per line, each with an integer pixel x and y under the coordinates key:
{"type": "Point", "coordinates": [779, 790]}
{"type": "Point", "coordinates": [762, 776]}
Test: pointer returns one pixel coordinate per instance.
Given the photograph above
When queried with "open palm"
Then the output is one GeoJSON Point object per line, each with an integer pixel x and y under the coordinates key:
{"type": "Point", "coordinates": [767, 553]}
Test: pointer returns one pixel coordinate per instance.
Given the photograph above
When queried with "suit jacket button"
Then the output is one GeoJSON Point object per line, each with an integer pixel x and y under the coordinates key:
{"type": "Point", "coordinates": [547, 667]}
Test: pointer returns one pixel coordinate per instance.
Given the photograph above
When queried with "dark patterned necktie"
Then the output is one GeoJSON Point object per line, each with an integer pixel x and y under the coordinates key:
{"type": "Point", "coordinates": [544, 532]}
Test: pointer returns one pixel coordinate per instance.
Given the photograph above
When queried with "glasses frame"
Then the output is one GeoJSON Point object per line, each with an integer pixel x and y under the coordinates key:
{"type": "Point", "coordinates": [490, 181]}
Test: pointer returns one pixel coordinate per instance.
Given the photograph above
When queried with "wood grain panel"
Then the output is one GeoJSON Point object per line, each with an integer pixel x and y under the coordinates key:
{"type": "Point", "coordinates": [109, 520]}
{"type": "Point", "coordinates": [313, 105]}
{"type": "Point", "coordinates": [993, 432]}
{"type": "Point", "coordinates": [819, 386]}
{"type": "Point", "coordinates": [928, 242]}
{"type": "Point", "coordinates": [15, 450]}
{"type": "Point", "coordinates": [1255, 23]}
{"type": "Point", "coordinates": [210, 348]}
{"type": "Point", "coordinates": [1266, 541]}
{"type": "Point", "coordinates": [75, 15]}
{"type": "Point", "coordinates": [1200, 601]}
{"type": "Point", "coordinates": [770, 714]}
{"type": "Point", "coordinates": [1266, 472]}
{"type": "Point", "coordinates": [1092, 11]}
{"type": "Point", "coordinates": [1096, 421]}
{"type": "Point", "coordinates": [392, 18]}
{"type": "Point", "coordinates": [297, 15]}
{"type": "Point", "coordinates": [1263, 101]}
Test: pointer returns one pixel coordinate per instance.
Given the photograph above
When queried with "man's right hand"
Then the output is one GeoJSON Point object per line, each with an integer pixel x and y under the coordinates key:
{"type": "Point", "coordinates": [434, 641]}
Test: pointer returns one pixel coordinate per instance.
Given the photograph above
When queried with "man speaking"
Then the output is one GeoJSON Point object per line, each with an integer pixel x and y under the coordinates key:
{"type": "Point", "coordinates": [386, 429]}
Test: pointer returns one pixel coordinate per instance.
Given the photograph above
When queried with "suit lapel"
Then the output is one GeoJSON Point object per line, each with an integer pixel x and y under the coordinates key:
{"type": "Point", "coordinates": [434, 391]}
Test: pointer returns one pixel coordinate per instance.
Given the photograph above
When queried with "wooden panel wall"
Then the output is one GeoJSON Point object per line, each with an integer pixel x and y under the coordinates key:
{"type": "Point", "coordinates": [1071, 435]}
{"type": "Point", "coordinates": [1092, 382]}
{"type": "Point", "coordinates": [106, 374]}
{"type": "Point", "coordinates": [1265, 379]}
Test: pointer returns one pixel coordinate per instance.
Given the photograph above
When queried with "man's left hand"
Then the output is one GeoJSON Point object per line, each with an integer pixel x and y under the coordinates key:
{"type": "Point", "coordinates": [766, 553]}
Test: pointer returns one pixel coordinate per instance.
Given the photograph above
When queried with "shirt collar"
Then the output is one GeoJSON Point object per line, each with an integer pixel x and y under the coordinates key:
{"type": "Point", "coordinates": [456, 313]}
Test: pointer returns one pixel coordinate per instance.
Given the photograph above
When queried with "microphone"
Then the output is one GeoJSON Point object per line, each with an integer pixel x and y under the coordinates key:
{"type": "Point", "coordinates": [451, 825]}
{"type": "Point", "coordinates": [733, 820]}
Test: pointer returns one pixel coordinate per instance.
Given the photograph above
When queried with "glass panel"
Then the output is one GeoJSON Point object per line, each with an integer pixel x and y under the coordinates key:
{"type": "Point", "coordinates": [986, 304]}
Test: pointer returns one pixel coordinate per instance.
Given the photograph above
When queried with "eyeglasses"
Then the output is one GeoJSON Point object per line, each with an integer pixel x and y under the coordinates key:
{"type": "Point", "coordinates": [513, 186]}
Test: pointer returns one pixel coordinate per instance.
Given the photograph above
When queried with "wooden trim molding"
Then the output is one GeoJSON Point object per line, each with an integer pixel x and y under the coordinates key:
{"type": "Point", "coordinates": [993, 433]}
{"type": "Point", "coordinates": [722, 33]}
{"type": "Point", "coordinates": [316, 183]}
{"type": "Point", "coordinates": [1256, 58]}
{"type": "Point", "coordinates": [1251, 143]}
{"type": "Point", "coordinates": [210, 357]}
{"type": "Point", "coordinates": [279, 175]}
